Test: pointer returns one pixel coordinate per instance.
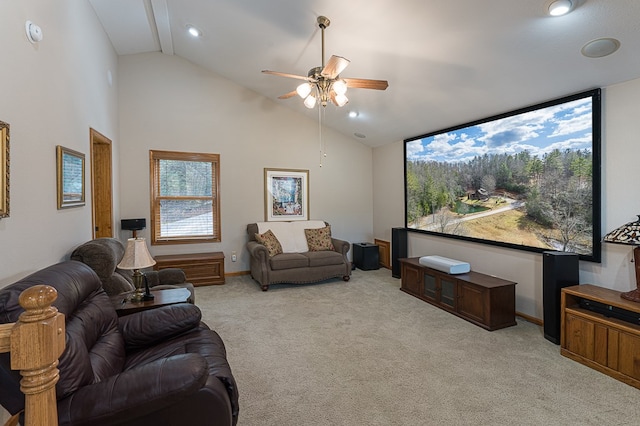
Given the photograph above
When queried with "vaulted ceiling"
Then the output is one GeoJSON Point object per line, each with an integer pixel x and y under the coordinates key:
{"type": "Point", "coordinates": [448, 62]}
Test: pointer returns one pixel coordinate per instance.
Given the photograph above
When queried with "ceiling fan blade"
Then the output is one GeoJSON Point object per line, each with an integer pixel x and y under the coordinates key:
{"type": "Point", "coordinates": [288, 95]}
{"type": "Point", "coordinates": [362, 83]}
{"type": "Point", "coordinates": [334, 67]}
{"type": "Point", "coordinates": [283, 74]}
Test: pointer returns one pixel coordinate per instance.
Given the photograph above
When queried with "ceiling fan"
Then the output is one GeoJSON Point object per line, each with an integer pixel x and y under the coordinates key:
{"type": "Point", "coordinates": [323, 83]}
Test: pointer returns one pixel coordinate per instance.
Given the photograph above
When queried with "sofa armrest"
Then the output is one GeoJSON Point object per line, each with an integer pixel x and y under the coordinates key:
{"type": "Point", "coordinates": [145, 328]}
{"type": "Point", "coordinates": [341, 246]}
{"type": "Point", "coordinates": [135, 392]}
{"type": "Point", "coordinates": [258, 251]}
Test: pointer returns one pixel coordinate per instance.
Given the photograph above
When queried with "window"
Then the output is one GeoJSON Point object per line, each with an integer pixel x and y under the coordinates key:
{"type": "Point", "coordinates": [185, 207]}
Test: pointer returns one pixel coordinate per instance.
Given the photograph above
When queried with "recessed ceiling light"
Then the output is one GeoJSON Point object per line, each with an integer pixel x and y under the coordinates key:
{"type": "Point", "coordinates": [194, 31]}
{"type": "Point", "coordinates": [560, 7]}
{"type": "Point", "coordinates": [353, 114]}
{"type": "Point", "coordinates": [600, 47]}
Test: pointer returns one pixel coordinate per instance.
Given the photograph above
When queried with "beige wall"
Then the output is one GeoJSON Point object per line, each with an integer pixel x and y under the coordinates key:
{"type": "Point", "coordinates": [167, 103]}
{"type": "Point", "coordinates": [620, 204]}
{"type": "Point", "coordinates": [51, 94]}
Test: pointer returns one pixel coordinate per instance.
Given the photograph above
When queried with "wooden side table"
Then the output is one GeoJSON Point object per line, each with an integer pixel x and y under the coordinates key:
{"type": "Point", "coordinates": [200, 268]}
{"type": "Point", "coordinates": [171, 296]}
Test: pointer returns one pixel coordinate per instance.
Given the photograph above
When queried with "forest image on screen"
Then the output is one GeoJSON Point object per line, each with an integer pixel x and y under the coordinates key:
{"type": "Point", "coordinates": [524, 180]}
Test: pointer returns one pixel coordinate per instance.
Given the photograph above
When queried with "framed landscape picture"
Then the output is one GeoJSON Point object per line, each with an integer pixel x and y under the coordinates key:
{"type": "Point", "coordinates": [528, 179]}
{"type": "Point", "coordinates": [70, 171]}
{"type": "Point", "coordinates": [286, 194]}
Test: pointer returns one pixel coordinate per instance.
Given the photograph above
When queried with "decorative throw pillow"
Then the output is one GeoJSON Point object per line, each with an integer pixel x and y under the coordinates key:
{"type": "Point", "coordinates": [319, 239]}
{"type": "Point", "coordinates": [269, 240]}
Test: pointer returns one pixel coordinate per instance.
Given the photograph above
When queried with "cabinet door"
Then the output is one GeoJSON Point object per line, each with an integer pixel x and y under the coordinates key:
{"type": "Point", "coordinates": [579, 336]}
{"type": "Point", "coordinates": [471, 301]}
{"type": "Point", "coordinates": [629, 355]}
{"type": "Point", "coordinates": [448, 292]}
{"type": "Point", "coordinates": [411, 279]}
{"type": "Point", "coordinates": [430, 287]}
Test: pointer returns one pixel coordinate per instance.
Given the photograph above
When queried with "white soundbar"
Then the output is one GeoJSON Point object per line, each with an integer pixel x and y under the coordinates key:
{"type": "Point", "coordinates": [450, 266]}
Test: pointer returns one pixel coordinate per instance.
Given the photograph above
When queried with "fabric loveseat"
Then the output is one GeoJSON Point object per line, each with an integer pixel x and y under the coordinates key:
{"type": "Point", "coordinates": [103, 256]}
{"type": "Point", "coordinates": [308, 253]}
{"type": "Point", "coordinates": [157, 367]}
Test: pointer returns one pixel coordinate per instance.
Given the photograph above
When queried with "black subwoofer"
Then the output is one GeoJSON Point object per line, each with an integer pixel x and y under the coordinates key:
{"type": "Point", "coordinates": [559, 270]}
{"type": "Point", "coordinates": [398, 249]}
{"type": "Point", "coordinates": [366, 256]}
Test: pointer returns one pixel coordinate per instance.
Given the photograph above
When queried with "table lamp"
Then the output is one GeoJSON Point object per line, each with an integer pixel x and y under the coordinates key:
{"type": "Point", "coordinates": [136, 257]}
{"type": "Point", "coordinates": [629, 234]}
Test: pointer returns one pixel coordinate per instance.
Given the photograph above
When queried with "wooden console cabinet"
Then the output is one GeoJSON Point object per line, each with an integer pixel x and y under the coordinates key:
{"type": "Point", "coordinates": [200, 268]}
{"type": "Point", "coordinates": [484, 300]}
{"type": "Point", "coordinates": [604, 343]}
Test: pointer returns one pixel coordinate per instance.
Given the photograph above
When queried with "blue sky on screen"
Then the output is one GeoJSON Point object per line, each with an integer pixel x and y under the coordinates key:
{"type": "Point", "coordinates": [564, 126]}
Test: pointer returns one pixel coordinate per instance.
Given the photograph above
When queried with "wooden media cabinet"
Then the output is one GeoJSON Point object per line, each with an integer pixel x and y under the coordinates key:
{"type": "Point", "coordinates": [200, 268]}
{"type": "Point", "coordinates": [601, 330]}
{"type": "Point", "coordinates": [484, 300]}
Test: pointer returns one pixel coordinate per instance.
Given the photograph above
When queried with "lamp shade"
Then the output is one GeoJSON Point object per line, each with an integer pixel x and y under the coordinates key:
{"type": "Point", "coordinates": [340, 87]}
{"type": "Point", "coordinates": [310, 101]}
{"type": "Point", "coordinates": [136, 255]}
{"type": "Point", "coordinates": [304, 89]}
{"type": "Point", "coordinates": [341, 100]}
{"type": "Point", "coordinates": [626, 234]}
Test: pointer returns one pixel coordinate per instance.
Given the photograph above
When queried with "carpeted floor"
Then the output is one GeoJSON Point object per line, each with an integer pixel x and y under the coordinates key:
{"type": "Point", "coordinates": [365, 353]}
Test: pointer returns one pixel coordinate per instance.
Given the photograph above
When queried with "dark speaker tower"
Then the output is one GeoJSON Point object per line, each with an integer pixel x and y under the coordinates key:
{"type": "Point", "coordinates": [398, 249]}
{"type": "Point", "coordinates": [559, 270]}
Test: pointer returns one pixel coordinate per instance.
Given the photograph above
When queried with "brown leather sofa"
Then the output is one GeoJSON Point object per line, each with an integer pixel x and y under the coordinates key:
{"type": "Point", "coordinates": [156, 367]}
{"type": "Point", "coordinates": [103, 256]}
{"type": "Point", "coordinates": [296, 265]}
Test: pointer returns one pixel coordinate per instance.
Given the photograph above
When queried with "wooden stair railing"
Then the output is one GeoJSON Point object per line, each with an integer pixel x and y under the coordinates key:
{"type": "Point", "coordinates": [36, 341]}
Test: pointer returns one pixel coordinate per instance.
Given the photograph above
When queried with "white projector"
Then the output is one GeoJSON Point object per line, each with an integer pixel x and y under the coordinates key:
{"type": "Point", "coordinates": [450, 266]}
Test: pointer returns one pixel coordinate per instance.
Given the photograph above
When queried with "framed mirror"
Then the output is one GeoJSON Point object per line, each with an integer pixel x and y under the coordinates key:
{"type": "Point", "coordinates": [70, 177]}
{"type": "Point", "coordinates": [4, 169]}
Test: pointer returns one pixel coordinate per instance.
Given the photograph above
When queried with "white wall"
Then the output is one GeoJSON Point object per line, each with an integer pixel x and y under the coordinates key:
{"type": "Point", "coordinates": [167, 103]}
{"type": "Point", "coordinates": [620, 204]}
{"type": "Point", "coordinates": [51, 94]}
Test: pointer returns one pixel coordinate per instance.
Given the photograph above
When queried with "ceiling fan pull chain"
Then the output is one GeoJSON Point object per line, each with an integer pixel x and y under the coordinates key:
{"type": "Point", "coordinates": [320, 132]}
{"type": "Point", "coordinates": [324, 140]}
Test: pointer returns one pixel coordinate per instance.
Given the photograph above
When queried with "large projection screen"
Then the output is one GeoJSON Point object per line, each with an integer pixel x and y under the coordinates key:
{"type": "Point", "coordinates": [527, 179]}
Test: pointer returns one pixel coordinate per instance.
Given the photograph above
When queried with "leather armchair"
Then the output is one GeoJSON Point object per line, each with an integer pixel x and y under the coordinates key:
{"type": "Point", "coordinates": [156, 367]}
{"type": "Point", "coordinates": [103, 256]}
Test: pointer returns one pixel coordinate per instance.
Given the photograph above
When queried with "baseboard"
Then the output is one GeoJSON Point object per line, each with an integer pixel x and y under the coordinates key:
{"type": "Point", "coordinates": [529, 318]}
{"type": "Point", "coordinates": [237, 274]}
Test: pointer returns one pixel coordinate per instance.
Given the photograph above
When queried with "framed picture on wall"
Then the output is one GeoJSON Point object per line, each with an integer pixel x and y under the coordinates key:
{"type": "Point", "coordinates": [70, 177]}
{"type": "Point", "coordinates": [4, 169]}
{"type": "Point", "coordinates": [286, 194]}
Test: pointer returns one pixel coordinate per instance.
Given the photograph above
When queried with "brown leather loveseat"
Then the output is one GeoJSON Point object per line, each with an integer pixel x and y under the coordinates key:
{"type": "Point", "coordinates": [157, 367]}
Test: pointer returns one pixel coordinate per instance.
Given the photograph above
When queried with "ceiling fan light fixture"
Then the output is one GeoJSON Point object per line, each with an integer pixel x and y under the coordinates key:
{"type": "Point", "coordinates": [310, 101]}
{"type": "Point", "coordinates": [340, 87]}
{"type": "Point", "coordinates": [560, 7]}
{"type": "Point", "coordinates": [303, 90]}
{"type": "Point", "coordinates": [341, 100]}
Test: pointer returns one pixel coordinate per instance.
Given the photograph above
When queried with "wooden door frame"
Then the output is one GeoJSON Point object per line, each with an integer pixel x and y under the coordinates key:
{"type": "Point", "coordinates": [101, 156]}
